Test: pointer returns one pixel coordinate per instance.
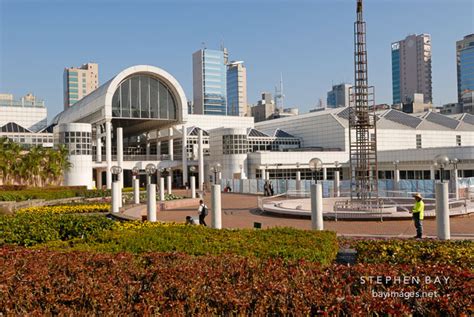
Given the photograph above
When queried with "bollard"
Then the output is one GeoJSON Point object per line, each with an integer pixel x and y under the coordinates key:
{"type": "Point", "coordinates": [162, 188]}
{"type": "Point", "coordinates": [317, 207]}
{"type": "Point", "coordinates": [193, 187]}
{"type": "Point", "coordinates": [298, 180]}
{"type": "Point", "coordinates": [169, 184]}
{"type": "Point", "coordinates": [337, 192]}
{"type": "Point", "coordinates": [120, 196]}
{"type": "Point", "coordinates": [136, 191]}
{"type": "Point", "coordinates": [442, 211]}
{"type": "Point", "coordinates": [216, 207]}
{"type": "Point", "coordinates": [115, 197]}
{"type": "Point", "coordinates": [151, 202]}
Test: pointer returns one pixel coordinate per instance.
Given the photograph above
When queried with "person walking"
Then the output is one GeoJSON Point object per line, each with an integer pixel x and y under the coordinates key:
{"type": "Point", "coordinates": [203, 211]}
{"type": "Point", "coordinates": [418, 213]}
{"type": "Point", "coordinates": [265, 189]}
{"type": "Point", "coordinates": [270, 188]}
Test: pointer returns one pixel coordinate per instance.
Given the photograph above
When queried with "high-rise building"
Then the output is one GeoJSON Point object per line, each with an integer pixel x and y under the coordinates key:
{"type": "Point", "coordinates": [411, 68]}
{"type": "Point", "coordinates": [465, 64]}
{"type": "Point", "coordinates": [209, 82]}
{"type": "Point", "coordinates": [79, 82]}
{"type": "Point", "coordinates": [236, 89]}
{"type": "Point", "coordinates": [338, 96]}
{"type": "Point", "coordinates": [265, 109]}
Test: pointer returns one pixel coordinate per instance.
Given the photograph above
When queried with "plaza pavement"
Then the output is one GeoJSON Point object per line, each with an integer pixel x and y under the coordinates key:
{"type": "Point", "coordinates": [240, 211]}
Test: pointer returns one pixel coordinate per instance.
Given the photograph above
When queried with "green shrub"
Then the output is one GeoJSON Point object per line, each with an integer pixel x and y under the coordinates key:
{"type": "Point", "coordinates": [286, 243]}
{"type": "Point", "coordinates": [51, 193]}
{"type": "Point", "coordinates": [28, 229]}
{"type": "Point", "coordinates": [460, 253]}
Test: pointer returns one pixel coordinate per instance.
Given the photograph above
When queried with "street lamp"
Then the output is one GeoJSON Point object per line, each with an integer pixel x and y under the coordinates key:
{"type": "Point", "coordinates": [135, 171]}
{"type": "Point", "coordinates": [115, 170]}
{"type": "Point", "coordinates": [216, 168]}
{"type": "Point", "coordinates": [136, 185]}
{"type": "Point", "coordinates": [192, 169]}
{"type": "Point", "coordinates": [150, 169]}
{"type": "Point", "coordinates": [454, 162]}
{"type": "Point", "coordinates": [442, 161]}
{"type": "Point", "coordinates": [315, 165]}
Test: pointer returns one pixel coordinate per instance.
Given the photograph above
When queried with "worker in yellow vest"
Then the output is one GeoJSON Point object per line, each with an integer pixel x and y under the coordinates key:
{"type": "Point", "coordinates": [418, 213]}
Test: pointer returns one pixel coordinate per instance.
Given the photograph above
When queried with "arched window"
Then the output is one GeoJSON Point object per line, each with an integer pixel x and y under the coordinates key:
{"type": "Point", "coordinates": [143, 96]}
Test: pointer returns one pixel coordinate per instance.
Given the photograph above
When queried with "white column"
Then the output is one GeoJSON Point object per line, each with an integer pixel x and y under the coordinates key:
{"type": "Point", "coordinates": [171, 144]}
{"type": "Point", "coordinates": [120, 199]}
{"type": "Point", "coordinates": [317, 207]}
{"type": "Point", "coordinates": [216, 222]}
{"type": "Point", "coordinates": [200, 160]}
{"type": "Point", "coordinates": [162, 188]}
{"type": "Point", "coordinates": [151, 202]}
{"type": "Point", "coordinates": [432, 173]}
{"type": "Point", "coordinates": [120, 154]}
{"type": "Point", "coordinates": [108, 152]}
{"type": "Point", "coordinates": [185, 156]}
{"type": "Point", "coordinates": [219, 177]}
{"type": "Point", "coordinates": [115, 196]}
{"type": "Point", "coordinates": [136, 190]}
{"type": "Point", "coordinates": [325, 173]}
{"type": "Point", "coordinates": [98, 176]}
{"type": "Point", "coordinates": [264, 174]}
{"type": "Point", "coordinates": [193, 187]}
{"type": "Point", "coordinates": [147, 145]}
{"type": "Point", "coordinates": [442, 211]}
{"type": "Point", "coordinates": [454, 178]}
{"type": "Point", "coordinates": [298, 180]}
{"type": "Point", "coordinates": [98, 147]}
{"type": "Point", "coordinates": [267, 175]}
{"type": "Point", "coordinates": [337, 191]}
{"type": "Point", "coordinates": [158, 145]}
{"type": "Point", "coordinates": [396, 179]}
{"type": "Point", "coordinates": [169, 178]}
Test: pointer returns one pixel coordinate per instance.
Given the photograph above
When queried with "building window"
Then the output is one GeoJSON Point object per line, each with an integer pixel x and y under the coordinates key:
{"type": "Point", "coordinates": [458, 140]}
{"type": "Point", "coordinates": [418, 141]}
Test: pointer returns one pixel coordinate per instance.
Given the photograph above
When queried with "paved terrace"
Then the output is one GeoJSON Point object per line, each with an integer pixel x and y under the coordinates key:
{"type": "Point", "coordinates": [240, 211]}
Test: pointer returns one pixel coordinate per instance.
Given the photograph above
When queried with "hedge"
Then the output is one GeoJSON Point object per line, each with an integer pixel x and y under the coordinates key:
{"type": "Point", "coordinates": [459, 253]}
{"type": "Point", "coordinates": [67, 209]}
{"type": "Point", "coordinates": [51, 193]}
{"type": "Point", "coordinates": [29, 229]}
{"type": "Point", "coordinates": [39, 282]}
{"type": "Point", "coordinates": [285, 243]}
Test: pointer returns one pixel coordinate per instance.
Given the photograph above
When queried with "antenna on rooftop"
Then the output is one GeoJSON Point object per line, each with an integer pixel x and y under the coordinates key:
{"type": "Point", "coordinates": [279, 96]}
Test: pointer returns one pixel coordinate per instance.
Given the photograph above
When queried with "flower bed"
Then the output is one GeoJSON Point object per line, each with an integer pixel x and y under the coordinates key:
{"type": "Point", "coordinates": [68, 209]}
{"type": "Point", "coordinates": [39, 282]}
{"type": "Point", "coordinates": [459, 253]}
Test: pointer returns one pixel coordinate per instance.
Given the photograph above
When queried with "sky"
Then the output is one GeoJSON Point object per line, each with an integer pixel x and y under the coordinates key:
{"type": "Point", "coordinates": [309, 42]}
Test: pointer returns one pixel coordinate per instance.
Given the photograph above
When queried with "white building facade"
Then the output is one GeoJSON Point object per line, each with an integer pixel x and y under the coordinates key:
{"type": "Point", "coordinates": [140, 116]}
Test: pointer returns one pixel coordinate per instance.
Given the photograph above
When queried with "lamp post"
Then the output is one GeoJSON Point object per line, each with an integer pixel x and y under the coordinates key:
{"type": "Point", "coordinates": [136, 185]}
{"type": "Point", "coordinates": [396, 175]}
{"type": "Point", "coordinates": [298, 176]}
{"type": "Point", "coordinates": [442, 200]}
{"type": "Point", "coordinates": [169, 180]}
{"type": "Point", "coordinates": [216, 168]}
{"type": "Point", "coordinates": [151, 193]}
{"type": "Point", "coordinates": [162, 184]}
{"type": "Point", "coordinates": [442, 161]}
{"type": "Point", "coordinates": [454, 162]}
{"type": "Point", "coordinates": [315, 165]}
{"type": "Point", "coordinates": [116, 193]}
{"type": "Point", "coordinates": [267, 176]}
{"type": "Point", "coordinates": [336, 179]}
{"type": "Point", "coordinates": [192, 169]}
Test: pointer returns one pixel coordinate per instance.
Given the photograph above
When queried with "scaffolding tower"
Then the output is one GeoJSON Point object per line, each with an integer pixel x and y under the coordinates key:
{"type": "Point", "coordinates": [362, 123]}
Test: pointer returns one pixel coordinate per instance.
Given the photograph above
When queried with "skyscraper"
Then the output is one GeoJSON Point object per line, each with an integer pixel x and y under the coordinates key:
{"type": "Point", "coordinates": [79, 82]}
{"type": "Point", "coordinates": [338, 96]}
{"type": "Point", "coordinates": [209, 82]}
{"type": "Point", "coordinates": [411, 68]}
{"type": "Point", "coordinates": [465, 64]}
{"type": "Point", "coordinates": [236, 89]}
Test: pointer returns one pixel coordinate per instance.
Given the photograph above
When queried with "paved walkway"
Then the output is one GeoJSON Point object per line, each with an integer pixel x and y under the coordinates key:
{"type": "Point", "coordinates": [240, 211]}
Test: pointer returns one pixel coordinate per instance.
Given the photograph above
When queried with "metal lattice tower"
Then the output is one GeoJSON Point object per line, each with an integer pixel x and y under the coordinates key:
{"type": "Point", "coordinates": [362, 122]}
